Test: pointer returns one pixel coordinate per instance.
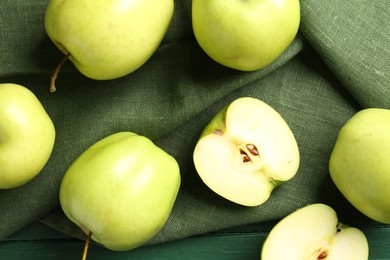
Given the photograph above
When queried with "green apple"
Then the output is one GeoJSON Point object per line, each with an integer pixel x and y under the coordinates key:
{"type": "Point", "coordinates": [27, 135]}
{"type": "Point", "coordinates": [245, 35]}
{"type": "Point", "coordinates": [245, 151]}
{"type": "Point", "coordinates": [108, 39]}
{"type": "Point", "coordinates": [121, 189]}
{"type": "Point", "coordinates": [360, 162]}
{"type": "Point", "coordinates": [314, 232]}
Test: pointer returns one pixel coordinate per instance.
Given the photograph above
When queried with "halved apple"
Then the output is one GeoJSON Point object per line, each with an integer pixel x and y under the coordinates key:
{"type": "Point", "coordinates": [245, 151]}
{"type": "Point", "coordinates": [314, 232]}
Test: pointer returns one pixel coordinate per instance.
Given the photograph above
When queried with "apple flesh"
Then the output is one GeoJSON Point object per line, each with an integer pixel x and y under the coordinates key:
{"type": "Point", "coordinates": [108, 39]}
{"type": "Point", "coordinates": [245, 35]}
{"type": "Point", "coordinates": [27, 135]}
{"type": "Point", "coordinates": [245, 151]}
{"type": "Point", "coordinates": [360, 162]}
{"type": "Point", "coordinates": [121, 189]}
{"type": "Point", "coordinates": [314, 232]}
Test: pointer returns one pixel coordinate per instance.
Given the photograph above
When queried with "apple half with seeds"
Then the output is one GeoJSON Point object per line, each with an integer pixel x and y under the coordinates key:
{"type": "Point", "coordinates": [245, 151]}
{"type": "Point", "coordinates": [314, 232]}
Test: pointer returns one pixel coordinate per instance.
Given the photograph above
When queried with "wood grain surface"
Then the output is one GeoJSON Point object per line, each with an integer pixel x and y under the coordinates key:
{"type": "Point", "coordinates": [41, 242]}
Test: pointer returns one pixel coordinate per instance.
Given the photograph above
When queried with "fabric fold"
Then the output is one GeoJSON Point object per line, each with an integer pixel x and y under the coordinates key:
{"type": "Point", "coordinates": [337, 65]}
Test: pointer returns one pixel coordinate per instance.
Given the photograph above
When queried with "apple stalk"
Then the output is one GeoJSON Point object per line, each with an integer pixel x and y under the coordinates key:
{"type": "Point", "coordinates": [86, 246]}
{"type": "Point", "coordinates": [55, 73]}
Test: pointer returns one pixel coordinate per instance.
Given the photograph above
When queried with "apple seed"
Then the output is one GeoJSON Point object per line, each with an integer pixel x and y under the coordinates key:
{"type": "Point", "coordinates": [323, 255]}
{"type": "Point", "coordinates": [252, 149]}
{"type": "Point", "coordinates": [245, 157]}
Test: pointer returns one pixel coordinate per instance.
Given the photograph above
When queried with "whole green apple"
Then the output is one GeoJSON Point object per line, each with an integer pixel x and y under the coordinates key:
{"type": "Point", "coordinates": [314, 232]}
{"type": "Point", "coordinates": [245, 35]}
{"type": "Point", "coordinates": [108, 39]}
{"type": "Point", "coordinates": [360, 162]}
{"type": "Point", "coordinates": [246, 151]}
{"type": "Point", "coordinates": [122, 189]}
{"type": "Point", "coordinates": [27, 135]}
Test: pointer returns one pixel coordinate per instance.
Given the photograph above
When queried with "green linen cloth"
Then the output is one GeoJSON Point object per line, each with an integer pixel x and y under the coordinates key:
{"type": "Point", "coordinates": [337, 65]}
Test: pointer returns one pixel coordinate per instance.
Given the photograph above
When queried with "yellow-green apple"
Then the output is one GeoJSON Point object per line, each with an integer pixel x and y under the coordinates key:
{"type": "Point", "coordinates": [245, 35]}
{"type": "Point", "coordinates": [121, 189]}
{"type": "Point", "coordinates": [108, 39]}
{"type": "Point", "coordinates": [360, 162]}
{"type": "Point", "coordinates": [245, 151]}
{"type": "Point", "coordinates": [314, 232]}
{"type": "Point", "coordinates": [27, 135]}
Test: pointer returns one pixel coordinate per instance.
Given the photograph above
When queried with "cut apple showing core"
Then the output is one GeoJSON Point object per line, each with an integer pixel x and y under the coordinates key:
{"type": "Point", "coordinates": [314, 232]}
{"type": "Point", "coordinates": [245, 151]}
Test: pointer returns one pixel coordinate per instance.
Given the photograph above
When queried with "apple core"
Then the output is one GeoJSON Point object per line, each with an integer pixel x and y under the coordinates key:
{"type": "Point", "coordinates": [256, 151]}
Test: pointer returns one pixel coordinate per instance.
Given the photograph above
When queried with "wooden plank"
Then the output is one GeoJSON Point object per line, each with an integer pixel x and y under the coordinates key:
{"type": "Point", "coordinates": [213, 246]}
{"type": "Point", "coordinates": [41, 242]}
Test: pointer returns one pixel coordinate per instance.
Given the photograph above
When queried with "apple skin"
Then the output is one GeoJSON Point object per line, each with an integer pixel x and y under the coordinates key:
{"type": "Point", "coordinates": [218, 154]}
{"type": "Point", "coordinates": [122, 189]}
{"type": "Point", "coordinates": [245, 35]}
{"type": "Point", "coordinates": [27, 136]}
{"type": "Point", "coordinates": [314, 232]}
{"type": "Point", "coordinates": [359, 164]}
{"type": "Point", "coordinates": [108, 39]}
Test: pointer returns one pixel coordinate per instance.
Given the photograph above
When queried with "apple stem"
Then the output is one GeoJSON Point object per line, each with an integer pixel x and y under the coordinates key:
{"type": "Point", "coordinates": [55, 73]}
{"type": "Point", "coordinates": [86, 246]}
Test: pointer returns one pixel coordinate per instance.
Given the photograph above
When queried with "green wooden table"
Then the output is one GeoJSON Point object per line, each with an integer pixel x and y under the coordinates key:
{"type": "Point", "coordinates": [41, 242]}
